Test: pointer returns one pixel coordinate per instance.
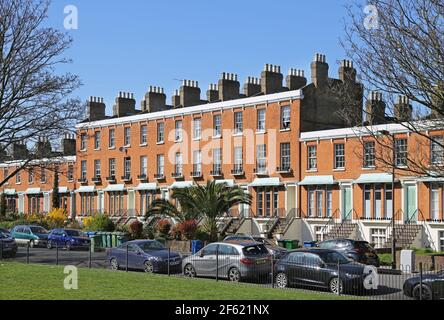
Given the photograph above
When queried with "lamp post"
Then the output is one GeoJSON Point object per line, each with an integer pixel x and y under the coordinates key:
{"type": "Point", "coordinates": [392, 136]}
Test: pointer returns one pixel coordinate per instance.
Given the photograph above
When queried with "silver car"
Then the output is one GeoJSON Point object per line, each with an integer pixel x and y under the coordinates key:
{"type": "Point", "coordinates": [232, 261]}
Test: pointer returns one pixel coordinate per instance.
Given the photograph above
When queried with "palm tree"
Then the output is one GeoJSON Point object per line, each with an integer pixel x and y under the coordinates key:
{"type": "Point", "coordinates": [210, 201]}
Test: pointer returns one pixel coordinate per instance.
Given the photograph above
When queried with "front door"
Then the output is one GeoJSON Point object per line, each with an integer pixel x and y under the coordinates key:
{"type": "Point", "coordinates": [347, 204]}
{"type": "Point", "coordinates": [131, 203]}
{"type": "Point", "coordinates": [411, 213]}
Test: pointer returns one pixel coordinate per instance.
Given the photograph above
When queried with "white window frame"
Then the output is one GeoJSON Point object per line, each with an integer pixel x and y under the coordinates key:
{"type": "Point", "coordinates": [217, 126]}
{"type": "Point", "coordinates": [285, 117]}
{"type": "Point", "coordinates": [112, 138]}
{"type": "Point", "coordinates": [144, 166]}
{"type": "Point", "coordinates": [160, 132]}
{"type": "Point", "coordinates": [112, 167]}
{"type": "Point", "coordinates": [97, 169]}
{"type": "Point", "coordinates": [143, 135]}
{"type": "Point", "coordinates": [97, 140]}
{"type": "Point", "coordinates": [197, 128]}
{"type": "Point", "coordinates": [160, 164]}
{"type": "Point", "coordinates": [312, 157]}
{"type": "Point", "coordinates": [339, 155]}
{"type": "Point", "coordinates": [261, 120]}
{"type": "Point", "coordinates": [238, 122]}
{"type": "Point", "coordinates": [178, 131]}
{"type": "Point", "coordinates": [127, 136]}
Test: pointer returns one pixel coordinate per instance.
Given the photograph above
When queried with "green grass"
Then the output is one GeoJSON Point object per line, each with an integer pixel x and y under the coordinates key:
{"type": "Point", "coordinates": [41, 282]}
{"type": "Point", "coordinates": [386, 258]}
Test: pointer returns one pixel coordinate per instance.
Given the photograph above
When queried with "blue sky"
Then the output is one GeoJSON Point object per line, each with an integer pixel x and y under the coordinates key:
{"type": "Point", "coordinates": [129, 45]}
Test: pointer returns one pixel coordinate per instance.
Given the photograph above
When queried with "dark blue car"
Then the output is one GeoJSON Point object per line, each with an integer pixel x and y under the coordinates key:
{"type": "Point", "coordinates": [8, 246]}
{"type": "Point", "coordinates": [68, 239]}
{"type": "Point", "coordinates": [147, 255]}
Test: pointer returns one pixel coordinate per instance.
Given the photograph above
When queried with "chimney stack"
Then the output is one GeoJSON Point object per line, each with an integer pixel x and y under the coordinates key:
{"type": "Point", "coordinates": [271, 79]}
{"type": "Point", "coordinates": [346, 71]}
{"type": "Point", "coordinates": [403, 109]}
{"type": "Point", "coordinates": [252, 86]}
{"type": "Point", "coordinates": [175, 99]}
{"type": "Point", "coordinates": [296, 79]}
{"type": "Point", "coordinates": [125, 105]}
{"type": "Point", "coordinates": [213, 93]}
{"type": "Point", "coordinates": [69, 145]}
{"type": "Point", "coordinates": [319, 71]}
{"type": "Point", "coordinates": [155, 100]}
{"type": "Point", "coordinates": [44, 148]}
{"type": "Point", "coordinates": [19, 151]}
{"type": "Point", "coordinates": [189, 93]}
{"type": "Point", "coordinates": [228, 87]}
{"type": "Point", "coordinates": [95, 109]}
{"type": "Point", "coordinates": [375, 108]}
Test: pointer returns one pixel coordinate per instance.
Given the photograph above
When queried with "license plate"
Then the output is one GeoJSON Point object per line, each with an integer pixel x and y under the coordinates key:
{"type": "Point", "coordinates": [174, 263]}
{"type": "Point", "coordinates": [261, 261]}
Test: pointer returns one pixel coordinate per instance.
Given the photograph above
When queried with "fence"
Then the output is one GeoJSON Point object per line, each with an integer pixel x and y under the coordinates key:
{"type": "Point", "coordinates": [330, 274]}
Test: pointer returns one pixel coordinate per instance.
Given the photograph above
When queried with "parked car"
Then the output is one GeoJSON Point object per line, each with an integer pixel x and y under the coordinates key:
{"type": "Point", "coordinates": [236, 261]}
{"type": "Point", "coordinates": [275, 250]}
{"type": "Point", "coordinates": [359, 251]}
{"type": "Point", "coordinates": [8, 245]}
{"type": "Point", "coordinates": [35, 236]}
{"type": "Point", "coordinates": [148, 255]}
{"type": "Point", "coordinates": [68, 239]}
{"type": "Point", "coordinates": [5, 231]}
{"type": "Point", "coordinates": [319, 268]}
{"type": "Point", "coordinates": [432, 286]}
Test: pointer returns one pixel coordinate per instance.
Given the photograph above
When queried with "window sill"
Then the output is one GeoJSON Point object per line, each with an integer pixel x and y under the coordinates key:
{"type": "Point", "coordinates": [197, 139]}
{"type": "Point", "coordinates": [285, 130]}
{"type": "Point", "coordinates": [97, 149]}
{"type": "Point", "coordinates": [339, 170]}
{"type": "Point", "coordinates": [143, 145]}
{"type": "Point", "coordinates": [312, 171]}
{"type": "Point", "coordinates": [217, 137]}
{"type": "Point", "coordinates": [127, 146]}
{"type": "Point", "coordinates": [111, 148]}
{"type": "Point", "coordinates": [238, 134]}
{"type": "Point", "coordinates": [83, 150]}
{"type": "Point", "coordinates": [261, 132]}
{"type": "Point", "coordinates": [178, 141]}
{"type": "Point", "coordinates": [160, 143]}
{"type": "Point", "coordinates": [368, 168]}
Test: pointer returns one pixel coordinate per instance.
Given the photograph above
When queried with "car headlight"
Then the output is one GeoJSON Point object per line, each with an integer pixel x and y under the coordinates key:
{"type": "Point", "coordinates": [158, 259]}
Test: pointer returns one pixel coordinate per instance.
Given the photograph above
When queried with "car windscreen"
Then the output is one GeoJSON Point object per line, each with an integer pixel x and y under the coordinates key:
{"type": "Point", "coordinates": [38, 230]}
{"type": "Point", "coordinates": [72, 233]}
{"type": "Point", "coordinates": [333, 257]}
{"type": "Point", "coordinates": [3, 236]}
{"type": "Point", "coordinates": [151, 246]}
{"type": "Point", "coordinates": [363, 245]}
{"type": "Point", "coordinates": [255, 250]}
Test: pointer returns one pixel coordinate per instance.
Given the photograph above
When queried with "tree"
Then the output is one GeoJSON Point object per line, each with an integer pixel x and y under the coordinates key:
{"type": "Point", "coordinates": [210, 201]}
{"type": "Point", "coordinates": [2, 205]}
{"type": "Point", "coordinates": [55, 191]}
{"type": "Point", "coordinates": [33, 97]}
{"type": "Point", "coordinates": [398, 47]}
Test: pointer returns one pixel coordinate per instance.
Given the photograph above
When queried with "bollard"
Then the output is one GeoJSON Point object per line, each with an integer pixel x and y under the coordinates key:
{"type": "Point", "coordinates": [127, 257]}
{"type": "Point", "coordinates": [272, 271]}
{"type": "Point", "coordinates": [57, 254]}
{"type": "Point", "coordinates": [420, 281]}
{"type": "Point", "coordinates": [90, 255]}
{"type": "Point", "coordinates": [27, 253]}
{"type": "Point", "coordinates": [217, 263]}
{"type": "Point", "coordinates": [169, 254]}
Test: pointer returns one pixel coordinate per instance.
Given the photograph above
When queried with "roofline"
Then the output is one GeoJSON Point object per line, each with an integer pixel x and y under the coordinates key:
{"type": "Point", "coordinates": [15, 163]}
{"type": "Point", "coordinates": [204, 108]}
{"type": "Point", "coordinates": [353, 132]}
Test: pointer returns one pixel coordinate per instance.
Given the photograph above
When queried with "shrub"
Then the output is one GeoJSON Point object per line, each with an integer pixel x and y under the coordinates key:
{"type": "Point", "coordinates": [187, 229]}
{"type": "Point", "coordinates": [56, 218]}
{"type": "Point", "coordinates": [100, 222]}
{"type": "Point", "coordinates": [136, 229]}
{"type": "Point", "coordinates": [163, 227]}
{"type": "Point", "coordinates": [148, 232]}
{"type": "Point", "coordinates": [74, 224]}
{"type": "Point", "coordinates": [201, 234]}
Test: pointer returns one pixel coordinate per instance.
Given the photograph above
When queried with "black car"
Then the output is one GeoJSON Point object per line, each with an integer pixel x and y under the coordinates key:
{"type": "Point", "coordinates": [319, 268]}
{"type": "Point", "coordinates": [5, 231]}
{"type": "Point", "coordinates": [359, 251]}
{"type": "Point", "coordinates": [432, 287]}
{"type": "Point", "coordinates": [276, 251]}
{"type": "Point", "coordinates": [8, 246]}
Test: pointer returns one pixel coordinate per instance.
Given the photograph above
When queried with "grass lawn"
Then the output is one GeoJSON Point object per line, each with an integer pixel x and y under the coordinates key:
{"type": "Point", "coordinates": [41, 282]}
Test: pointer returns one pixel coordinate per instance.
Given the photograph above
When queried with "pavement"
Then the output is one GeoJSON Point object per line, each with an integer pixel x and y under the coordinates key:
{"type": "Point", "coordinates": [390, 285]}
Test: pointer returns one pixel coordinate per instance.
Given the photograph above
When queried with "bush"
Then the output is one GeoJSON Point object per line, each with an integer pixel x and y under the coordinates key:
{"type": "Point", "coordinates": [74, 224]}
{"type": "Point", "coordinates": [148, 232]}
{"type": "Point", "coordinates": [100, 222]}
{"type": "Point", "coordinates": [201, 234]}
{"type": "Point", "coordinates": [163, 228]}
{"type": "Point", "coordinates": [136, 229]}
{"type": "Point", "coordinates": [187, 230]}
{"type": "Point", "coordinates": [56, 218]}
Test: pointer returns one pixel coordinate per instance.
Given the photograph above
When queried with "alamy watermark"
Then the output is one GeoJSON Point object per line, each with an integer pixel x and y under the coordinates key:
{"type": "Point", "coordinates": [71, 281]}
{"type": "Point", "coordinates": [71, 21]}
{"type": "Point", "coordinates": [371, 21]}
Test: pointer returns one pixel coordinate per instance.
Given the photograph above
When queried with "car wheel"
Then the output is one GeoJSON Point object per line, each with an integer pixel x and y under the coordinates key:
{"type": "Point", "coordinates": [336, 286]}
{"type": "Point", "coordinates": [234, 275]}
{"type": "Point", "coordinates": [426, 293]}
{"type": "Point", "coordinates": [114, 264]}
{"type": "Point", "coordinates": [189, 271]}
{"type": "Point", "coordinates": [68, 246]}
{"type": "Point", "coordinates": [148, 267]}
{"type": "Point", "coordinates": [281, 280]}
{"type": "Point", "coordinates": [49, 244]}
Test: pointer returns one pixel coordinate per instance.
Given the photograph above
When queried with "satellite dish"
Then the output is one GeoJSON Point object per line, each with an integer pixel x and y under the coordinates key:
{"type": "Point", "coordinates": [121, 149]}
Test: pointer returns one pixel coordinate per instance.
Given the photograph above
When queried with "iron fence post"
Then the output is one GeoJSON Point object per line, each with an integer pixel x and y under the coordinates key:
{"type": "Point", "coordinates": [272, 271]}
{"type": "Point", "coordinates": [27, 254]}
{"type": "Point", "coordinates": [420, 281]}
{"type": "Point", "coordinates": [339, 280]}
{"type": "Point", "coordinates": [57, 254]}
{"type": "Point", "coordinates": [1, 250]}
{"type": "Point", "coordinates": [90, 255]}
{"type": "Point", "coordinates": [217, 263]}
{"type": "Point", "coordinates": [168, 262]}
{"type": "Point", "coordinates": [127, 257]}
